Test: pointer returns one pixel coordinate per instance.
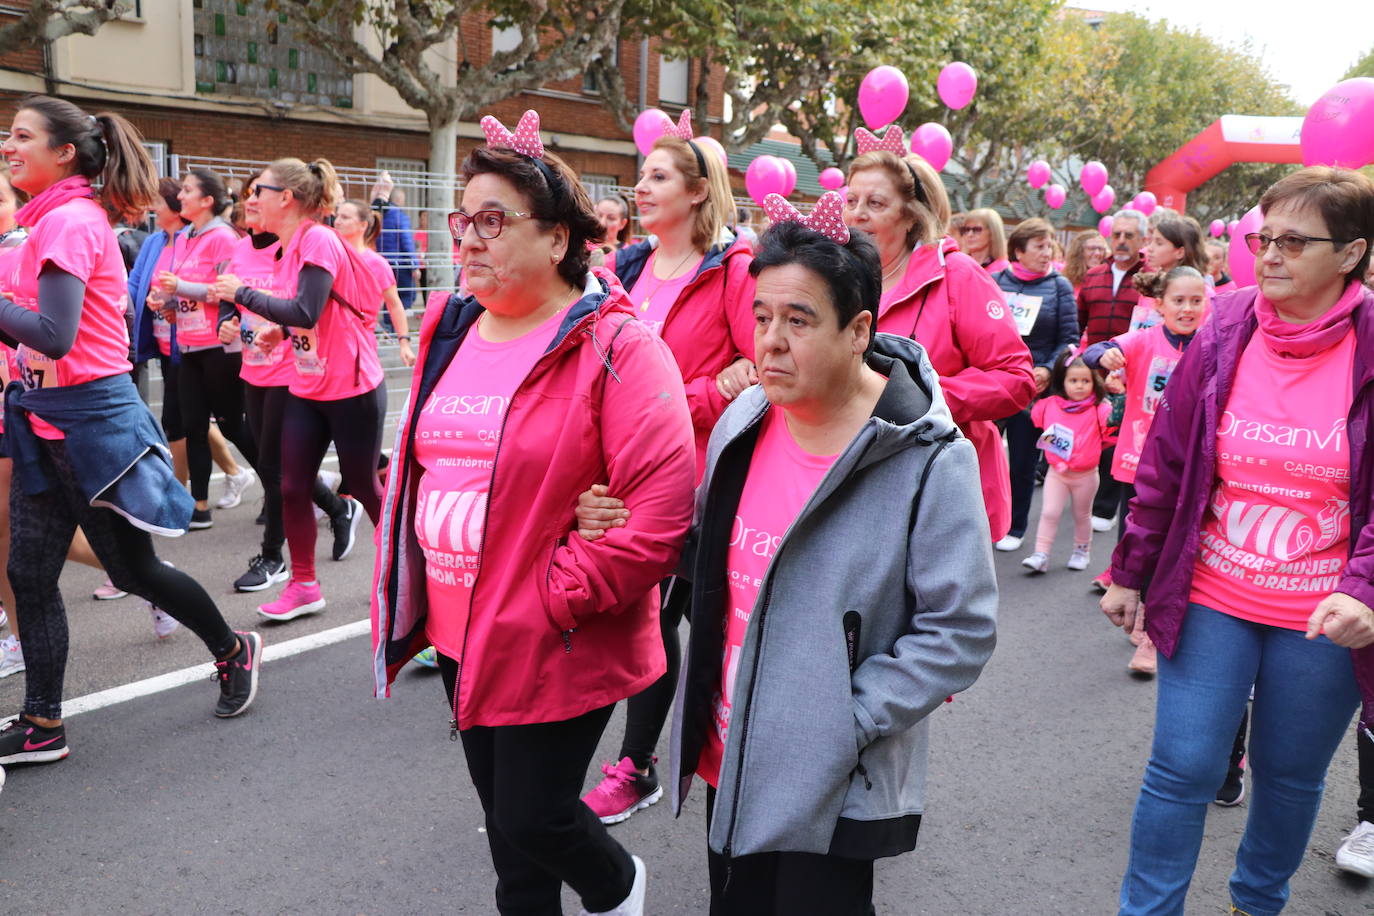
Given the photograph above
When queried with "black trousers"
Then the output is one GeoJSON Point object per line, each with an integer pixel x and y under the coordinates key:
{"type": "Point", "coordinates": [209, 384]}
{"type": "Point", "coordinates": [647, 711]}
{"type": "Point", "coordinates": [1108, 499]}
{"type": "Point", "coordinates": [529, 779]}
{"type": "Point", "coordinates": [787, 883]}
{"type": "Point", "coordinates": [1022, 456]}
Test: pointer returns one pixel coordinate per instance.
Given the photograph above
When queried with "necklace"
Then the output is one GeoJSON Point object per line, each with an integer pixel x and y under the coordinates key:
{"type": "Point", "coordinates": [896, 266]}
{"type": "Point", "coordinates": [644, 306]}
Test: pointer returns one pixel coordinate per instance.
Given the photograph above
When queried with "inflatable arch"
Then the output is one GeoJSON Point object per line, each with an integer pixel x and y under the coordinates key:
{"type": "Point", "coordinates": [1229, 139]}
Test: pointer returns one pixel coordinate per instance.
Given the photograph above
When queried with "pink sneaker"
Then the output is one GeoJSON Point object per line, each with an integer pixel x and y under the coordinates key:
{"type": "Point", "coordinates": [1144, 662]}
{"type": "Point", "coordinates": [623, 792]}
{"type": "Point", "coordinates": [295, 600]}
{"type": "Point", "coordinates": [108, 592]}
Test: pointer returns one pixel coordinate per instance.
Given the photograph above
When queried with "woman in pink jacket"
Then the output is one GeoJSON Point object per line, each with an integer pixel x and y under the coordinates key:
{"type": "Point", "coordinates": [947, 303]}
{"type": "Point", "coordinates": [527, 391]}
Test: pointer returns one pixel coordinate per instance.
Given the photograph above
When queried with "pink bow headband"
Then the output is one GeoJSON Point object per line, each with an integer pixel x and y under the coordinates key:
{"type": "Point", "coordinates": [827, 217]}
{"type": "Point", "coordinates": [524, 141]}
{"type": "Point", "coordinates": [683, 131]}
{"type": "Point", "coordinates": [892, 140]}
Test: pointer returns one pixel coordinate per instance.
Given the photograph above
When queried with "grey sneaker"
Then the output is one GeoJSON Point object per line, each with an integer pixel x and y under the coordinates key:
{"type": "Point", "coordinates": [1037, 562]}
{"type": "Point", "coordinates": [1078, 560]}
{"type": "Point", "coordinates": [234, 487]}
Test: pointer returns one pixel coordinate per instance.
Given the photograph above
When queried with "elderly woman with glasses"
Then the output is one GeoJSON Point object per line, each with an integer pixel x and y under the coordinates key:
{"type": "Point", "coordinates": [983, 238]}
{"type": "Point", "coordinates": [536, 384]}
{"type": "Point", "coordinates": [1253, 525]}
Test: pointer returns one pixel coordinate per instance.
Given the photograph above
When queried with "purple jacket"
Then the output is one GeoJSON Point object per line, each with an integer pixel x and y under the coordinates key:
{"type": "Point", "coordinates": [1178, 468]}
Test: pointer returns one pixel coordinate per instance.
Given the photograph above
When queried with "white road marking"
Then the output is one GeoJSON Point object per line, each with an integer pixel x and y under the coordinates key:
{"type": "Point", "coordinates": [148, 686]}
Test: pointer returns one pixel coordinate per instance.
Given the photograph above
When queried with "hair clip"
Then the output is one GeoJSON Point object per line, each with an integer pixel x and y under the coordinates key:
{"type": "Point", "coordinates": [525, 140]}
{"type": "Point", "coordinates": [827, 217]}
{"type": "Point", "coordinates": [892, 140]}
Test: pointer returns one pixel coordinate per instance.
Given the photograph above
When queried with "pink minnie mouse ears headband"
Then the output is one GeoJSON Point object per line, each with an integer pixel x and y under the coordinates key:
{"type": "Point", "coordinates": [683, 131]}
{"type": "Point", "coordinates": [827, 217]}
{"type": "Point", "coordinates": [893, 141]}
{"type": "Point", "coordinates": [525, 141]}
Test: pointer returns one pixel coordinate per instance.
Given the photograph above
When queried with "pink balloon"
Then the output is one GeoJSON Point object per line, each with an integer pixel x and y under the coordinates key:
{"type": "Point", "coordinates": [883, 96]}
{"type": "Point", "coordinates": [1102, 201]}
{"type": "Point", "coordinates": [765, 176]}
{"type": "Point", "coordinates": [1339, 127]}
{"type": "Point", "coordinates": [1055, 196]}
{"type": "Point", "coordinates": [1240, 263]}
{"type": "Point", "coordinates": [1093, 178]}
{"type": "Point", "coordinates": [648, 128]}
{"type": "Point", "coordinates": [1038, 173]}
{"type": "Point", "coordinates": [1231, 227]}
{"type": "Point", "coordinates": [1145, 202]}
{"type": "Point", "coordinates": [790, 184]}
{"type": "Point", "coordinates": [832, 179]}
{"type": "Point", "coordinates": [1218, 228]}
{"type": "Point", "coordinates": [933, 144]}
{"type": "Point", "coordinates": [957, 84]}
{"type": "Point", "coordinates": [1104, 227]}
{"type": "Point", "coordinates": [714, 146]}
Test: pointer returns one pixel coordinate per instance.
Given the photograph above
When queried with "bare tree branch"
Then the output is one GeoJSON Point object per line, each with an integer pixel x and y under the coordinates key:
{"type": "Point", "coordinates": [48, 20]}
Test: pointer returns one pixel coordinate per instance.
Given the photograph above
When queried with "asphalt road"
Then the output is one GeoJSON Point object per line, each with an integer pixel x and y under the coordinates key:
{"type": "Point", "coordinates": [322, 799]}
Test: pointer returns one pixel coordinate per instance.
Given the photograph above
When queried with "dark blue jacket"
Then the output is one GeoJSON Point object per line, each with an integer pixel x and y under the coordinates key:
{"type": "Point", "coordinates": [115, 446]}
{"type": "Point", "coordinates": [140, 281]}
{"type": "Point", "coordinates": [1056, 327]}
{"type": "Point", "coordinates": [396, 242]}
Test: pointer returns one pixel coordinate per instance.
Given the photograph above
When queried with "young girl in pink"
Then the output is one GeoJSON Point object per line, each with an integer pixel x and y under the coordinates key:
{"type": "Point", "coordinates": [1074, 416]}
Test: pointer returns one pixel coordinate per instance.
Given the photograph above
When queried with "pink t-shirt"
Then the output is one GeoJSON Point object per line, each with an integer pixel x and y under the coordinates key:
{"type": "Point", "coordinates": [337, 358]}
{"type": "Point", "coordinates": [653, 298]}
{"type": "Point", "coordinates": [382, 272]}
{"type": "Point", "coordinates": [456, 439]}
{"type": "Point", "coordinates": [196, 259]}
{"type": "Point", "coordinates": [781, 479]}
{"type": "Point", "coordinates": [255, 267]}
{"type": "Point", "coordinates": [1073, 431]}
{"type": "Point", "coordinates": [75, 237]}
{"type": "Point", "coordinates": [1150, 360]}
{"type": "Point", "coordinates": [1277, 532]}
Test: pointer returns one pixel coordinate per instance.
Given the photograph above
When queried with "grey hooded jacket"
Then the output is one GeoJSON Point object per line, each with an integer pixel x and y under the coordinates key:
{"type": "Point", "coordinates": [879, 603]}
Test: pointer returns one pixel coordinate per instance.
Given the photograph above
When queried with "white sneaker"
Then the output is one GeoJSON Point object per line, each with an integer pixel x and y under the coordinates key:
{"type": "Point", "coordinates": [234, 487]}
{"type": "Point", "coordinates": [11, 656]}
{"type": "Point", "coordinates": [1356, 852]}
{"type": "Point", "coordinates": [632, 905]}
{"type": "Point", "coordinates": [164, 624]}
{"type": "Point", "coordinates": [2, 779]}
{"type": "Point", "coordinates": [1037, 562]}
{"type": "Point", "coordinates": [1103, 524]}
{"type": "Point", "coordinates": [1078, 560]}
{"type": "Point", "coordinates": [1008, 544]}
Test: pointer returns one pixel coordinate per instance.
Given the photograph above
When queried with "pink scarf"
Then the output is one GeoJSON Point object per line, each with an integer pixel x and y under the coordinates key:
{"type": "Point", "coordinates": [52, 197]}
{"type": "Point", "coordinates": [1299, 341]}
{"type": "Point", "coordinates": [1027, 276]}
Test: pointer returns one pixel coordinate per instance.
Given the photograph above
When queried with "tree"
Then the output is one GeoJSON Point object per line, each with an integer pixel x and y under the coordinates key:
{"type": "Point", "coordinates": [1362, 67]}
{"type": "Point", "coordinates": [43, 21]}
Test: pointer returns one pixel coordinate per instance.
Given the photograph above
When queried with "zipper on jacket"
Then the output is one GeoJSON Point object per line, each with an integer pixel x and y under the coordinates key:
{"type": "Point", "coordinates": [453, 724]}
{"type": "Point", "coordinates": [744, 722]}
{"type": "Point", "coordinates": [548, 577]}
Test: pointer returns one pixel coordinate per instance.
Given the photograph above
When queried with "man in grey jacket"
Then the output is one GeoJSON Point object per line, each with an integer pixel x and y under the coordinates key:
{"type": "Point", "coordinates": [842, 589]}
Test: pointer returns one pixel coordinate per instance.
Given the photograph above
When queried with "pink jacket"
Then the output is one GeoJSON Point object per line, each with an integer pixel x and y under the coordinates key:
{"type": "Point", "coordinates": [559, 625]}
{"type": "Point", "coordinates": [950, 305]}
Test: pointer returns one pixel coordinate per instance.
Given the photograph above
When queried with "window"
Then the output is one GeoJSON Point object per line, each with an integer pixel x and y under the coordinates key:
{"type": "Point", "coordinates": [589, 84]}
{"type": "Point", "coordinates": [242, 50]}
{"type": "Point", "coordinates": [157, 151]}
{"type": "Point", "coordinates": [672, 80]}
{"type": "Point", "coordinates": [599, 186]}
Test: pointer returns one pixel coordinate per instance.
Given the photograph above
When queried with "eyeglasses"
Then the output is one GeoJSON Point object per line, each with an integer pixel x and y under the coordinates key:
{"type": "Point", "coordinates": [488, 223]}
{"type": "Point", "coordinates": [1290, 245]}
{"type": "Point", "coordinates": [971, 230]}
{"type": "Point", "coordinates": [259, 188]}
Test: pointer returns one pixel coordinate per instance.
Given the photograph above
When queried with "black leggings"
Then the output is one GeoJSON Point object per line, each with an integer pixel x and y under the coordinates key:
{"type": "Point", "coordinates": [171, 399]}
{"type": "Point", "coordinates": [266, 407]}
{"type": "Point", "coordinates": [307, 428]}
{"type": "Point", "coordinates": [209, 383]}
{"type": "Point", "coordinates": [646, 711]}
{"type": "Point", "coordinates": [41, 529]}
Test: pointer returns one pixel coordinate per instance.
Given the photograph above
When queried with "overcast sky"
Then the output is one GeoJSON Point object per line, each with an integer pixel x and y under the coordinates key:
{"type": "Point", "coordinates": [1308, 44]}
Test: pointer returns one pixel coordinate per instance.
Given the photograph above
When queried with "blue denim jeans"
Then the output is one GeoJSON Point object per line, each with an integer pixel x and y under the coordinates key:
{"type": "Point", "coordinates": [1305, 694]}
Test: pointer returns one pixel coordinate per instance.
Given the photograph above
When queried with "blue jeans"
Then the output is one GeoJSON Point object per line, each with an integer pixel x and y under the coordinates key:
{"type": "Point", "coordinates": [1305, 694]}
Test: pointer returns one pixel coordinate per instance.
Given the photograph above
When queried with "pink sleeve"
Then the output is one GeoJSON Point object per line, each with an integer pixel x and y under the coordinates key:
{"type": "Point", "coordinates": [381, 270]}
{"type": "Point", "coordinates": [997, 381]}
{"type": "Point", "coordinates": [321, 247]}
{"type": "Point", "coordinates": [1038, 412]}
{"type": "Point", "coordinates": [69, 243]}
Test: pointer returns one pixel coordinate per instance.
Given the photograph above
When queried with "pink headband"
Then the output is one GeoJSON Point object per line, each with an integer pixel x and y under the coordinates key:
{"type": "Point", "coordinates": [827, 217]}
{"type": "Point", "coordinates": [683, 130]}
{"type": "Point", "coordinates": [525, 140]}
{"type": "Point", "coordinates": [892, 140]}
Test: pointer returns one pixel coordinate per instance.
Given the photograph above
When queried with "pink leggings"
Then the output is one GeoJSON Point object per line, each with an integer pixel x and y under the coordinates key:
{"type": "Point", "coordinates": [1060, 487]}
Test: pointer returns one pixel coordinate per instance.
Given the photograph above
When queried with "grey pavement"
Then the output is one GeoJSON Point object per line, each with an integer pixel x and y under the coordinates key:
{"type": "Point", "coordinates": [322, 799]}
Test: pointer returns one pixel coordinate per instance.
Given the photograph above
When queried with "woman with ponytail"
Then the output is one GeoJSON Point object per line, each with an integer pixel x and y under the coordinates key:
{"type": "Point", "coordinates": [86, 450]}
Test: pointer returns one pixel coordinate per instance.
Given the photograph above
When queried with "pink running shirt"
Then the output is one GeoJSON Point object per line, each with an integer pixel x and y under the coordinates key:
{"type": "Point", "coordinates": [653, 298]}
{"type": "Point", "coordinates": [781, 479]}
{"type": "Point", "coordinates": [196, 259]}
{"type": "Point", "coordinates": [455, 443]}
{"type": "Point", "coordinates": [255, 267]}
{"type": "Point", "coordinates": [381, 271]}
{"type": "Point", "coordinates": [337, 358]}
{"type": "Point", "coordinates": [1277, 533]}
{"type": "Point", "coordinates": [162, 328]}
{"type": "Point", "coordinates": [1073, 431]}
{"type": "Point", "coordinates": [1150, 360]}
{"type": "Point", "coordinates": [75, 237]}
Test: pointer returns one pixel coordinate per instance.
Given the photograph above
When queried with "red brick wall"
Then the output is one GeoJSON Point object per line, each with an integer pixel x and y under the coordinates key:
{"type": "Point", "coordinates": [30, 60]}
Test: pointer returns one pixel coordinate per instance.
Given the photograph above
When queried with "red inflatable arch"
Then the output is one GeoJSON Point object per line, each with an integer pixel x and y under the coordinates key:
{"type": "Point", "coordinates": [1230, 139]}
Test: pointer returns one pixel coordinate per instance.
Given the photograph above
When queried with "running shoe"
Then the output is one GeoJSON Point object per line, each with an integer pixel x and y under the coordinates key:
{"type": "Point", "coordinates": [427, 658]}
{"type": "Point", "coordinates": [1008, 544]}
{"type": "Point", "coordinates": [1103, 524]}
{"type": "Point", "coordinates": [164, 624]}
{"type": "Point", "coordinates": [345, 527]}
{"type": "Point", "coordinates": [1037, 562]}
{"type": "Point", "coordinates": [109, 592]}
{"type": "Point", "coordinates": [2, 779]}
{"type": "Point", "coordinates": [623, 791]}
{"type": "Point", "coordinates": [1356, 852]}
{"type": "Point", "coordinates": [632, 905]}
{"type": "Point", "coordinates": [1102, 582]}
{"type": "Point", "coordinates": [238, 677]}
{"type": "Point", "coordinates": [262, 573]}
{"type": "Point", "coordinates": [22, 741]}
{"type": "Point", "coordinates": [11, 656]}
{"type": "Point", "coordinates": [295, 601]}
{"type": "Point", "coordinates": [234, 487]}
{"type": "Point", "coordinates": [1078, 560]}
{"type": "Point", "coordinates": [1232, 791]}
{"type": "Point", "coordinates": [201, 519]}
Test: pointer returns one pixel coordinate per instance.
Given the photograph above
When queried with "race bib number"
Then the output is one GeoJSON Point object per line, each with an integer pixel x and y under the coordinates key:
{"type": "Point", "coordinates": [1161, 367]}
{"type": "Point", "coordinates": [191, 316]}
{"type": "Point", "coordinates": [1024, 309]}
{"type": "Point", "coordinates": [35, 369]}
{"type": "Point", "coordinates": [162, 330]}
{"type": "Point", "coordinates": [250, 325]}
{"type": "Point", "coordinates": [1057, 441]}
{"type": "Point", "coordinates": [305, 347]}
{"type": "Point", "coordinates": [1145, 316]}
